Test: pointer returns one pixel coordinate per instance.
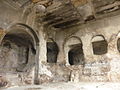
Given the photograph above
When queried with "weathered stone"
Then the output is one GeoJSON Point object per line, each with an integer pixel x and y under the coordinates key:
{"type": "Point", "coordinates": [46, 41]}
{"type": "Point", "coordinates": [3, 81]}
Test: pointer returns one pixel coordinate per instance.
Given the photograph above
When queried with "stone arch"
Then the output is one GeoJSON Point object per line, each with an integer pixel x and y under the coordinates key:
{"type": "Point", "coordinates": [26, 28]}
{"type": "Point", "coordinates": [52, 51]}
{"type": "Point", "coordinates": [21, 45]}
{"type": "Point", "coordinates": [99, 45]}
{"type": "Point", "coordinates": [74, 51]}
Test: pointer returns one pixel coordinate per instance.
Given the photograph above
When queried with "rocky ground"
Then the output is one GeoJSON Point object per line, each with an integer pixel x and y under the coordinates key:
{"type": "Point", "coordinates": [70, 86]}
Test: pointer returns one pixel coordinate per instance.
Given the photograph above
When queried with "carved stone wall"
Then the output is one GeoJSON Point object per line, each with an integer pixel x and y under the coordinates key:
{"type": "Point", "coordinates": [77, 52]}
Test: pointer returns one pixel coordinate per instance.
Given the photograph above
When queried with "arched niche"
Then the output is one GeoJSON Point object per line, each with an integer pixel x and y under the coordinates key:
{"type": "Point", "coordinates": [52, 51]}
{"type": "Point", "coordinates": [74, 51]}
{"type": "Point", "coordinates": [99, 45]}
{"type": "Point", "coordinates": [18, 49]}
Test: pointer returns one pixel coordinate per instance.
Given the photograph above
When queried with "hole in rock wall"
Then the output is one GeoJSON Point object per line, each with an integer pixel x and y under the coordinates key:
{"type": "Point", "coordinates": [76, 55]}
{"type": "Point", "coordinates": [16, 52]}
{"type": "Point", "coordinates": [52, 51]}
{"type": "Point", "coordinates": [99, 45]}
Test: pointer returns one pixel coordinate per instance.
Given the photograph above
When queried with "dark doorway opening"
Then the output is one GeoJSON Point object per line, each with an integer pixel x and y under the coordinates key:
{"type": "Point", "coordinates": [52, 52]}
{"type": "Point", "coordinates": [76, 55]}
{"type": "Point", "coordinates": [16, 52]}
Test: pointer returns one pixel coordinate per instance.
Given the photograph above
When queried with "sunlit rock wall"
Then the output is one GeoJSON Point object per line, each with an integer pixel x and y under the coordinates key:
{"type": "Point", "coordinates": [97, 68]}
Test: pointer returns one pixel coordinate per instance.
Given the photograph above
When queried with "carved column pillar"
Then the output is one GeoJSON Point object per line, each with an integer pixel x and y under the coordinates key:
{"type": "Point", "coordinates": [36, 76]}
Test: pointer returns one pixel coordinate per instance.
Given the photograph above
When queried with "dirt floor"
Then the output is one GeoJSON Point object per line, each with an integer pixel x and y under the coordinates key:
{"type": "Point", "coordinates": [70, 86]}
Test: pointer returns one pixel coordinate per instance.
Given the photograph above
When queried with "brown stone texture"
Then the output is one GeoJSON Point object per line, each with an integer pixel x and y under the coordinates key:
{"type": "Point", "coordinates": [50, 41]}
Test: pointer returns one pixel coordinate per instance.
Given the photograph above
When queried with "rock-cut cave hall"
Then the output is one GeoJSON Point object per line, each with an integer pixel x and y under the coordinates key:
{"type": "Point", "coordinates": [59, 41]}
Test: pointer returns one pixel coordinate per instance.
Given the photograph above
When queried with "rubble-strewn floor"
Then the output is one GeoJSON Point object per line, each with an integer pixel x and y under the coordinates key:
{"type": "Point", "coordinates": [70, 86]}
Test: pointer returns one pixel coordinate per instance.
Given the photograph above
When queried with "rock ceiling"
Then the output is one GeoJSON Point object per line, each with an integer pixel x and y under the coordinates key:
{"type": "Point", "coordinates": [66, 13]}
